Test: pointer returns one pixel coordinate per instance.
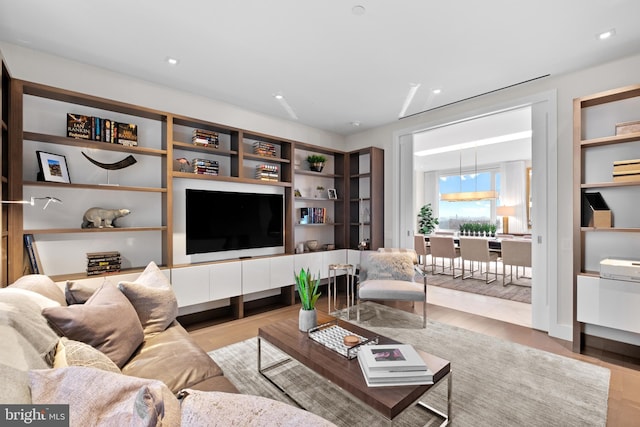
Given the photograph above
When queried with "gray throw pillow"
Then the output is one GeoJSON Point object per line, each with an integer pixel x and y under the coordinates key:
{"type": "Point", "coordinates": [107, 321]}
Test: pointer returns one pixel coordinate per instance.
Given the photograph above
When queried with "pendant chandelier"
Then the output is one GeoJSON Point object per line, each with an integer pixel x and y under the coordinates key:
{"type": "Point", "coordinates": [469, 196]}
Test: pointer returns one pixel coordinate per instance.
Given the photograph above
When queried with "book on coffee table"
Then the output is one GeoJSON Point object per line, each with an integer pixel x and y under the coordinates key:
{"type": "Point", "coordinates": [395, 378]}
{"type": "Point", "coordinates": [392, 357]}
{"type": "Point", "coordinates": [393, 365]}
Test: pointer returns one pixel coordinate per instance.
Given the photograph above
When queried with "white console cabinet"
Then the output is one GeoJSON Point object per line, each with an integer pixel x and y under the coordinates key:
{"type": "Point", "coordinates": [203, 283]}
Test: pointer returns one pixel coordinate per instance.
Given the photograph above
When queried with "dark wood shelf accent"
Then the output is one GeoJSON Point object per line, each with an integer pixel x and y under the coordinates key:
{"type": "Point", "coordinates": [93, 230]}
{"type": "Point", "coordinates": [316, 174]}
{"type": "Point", "coordinates": [85, 143]}
{"type": "Point", "coordinates": [95, 186]}
{"type": "Point", "coordinates": [251, 156]}
{"type": "Point", "coordinates": [178, 145]}
{"type": "Point", "coordinates": [190, 175]}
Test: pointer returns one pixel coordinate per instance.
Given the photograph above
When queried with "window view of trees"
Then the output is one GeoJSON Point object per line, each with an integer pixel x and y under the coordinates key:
{"type": "Point", "coordinates": [452, 214]}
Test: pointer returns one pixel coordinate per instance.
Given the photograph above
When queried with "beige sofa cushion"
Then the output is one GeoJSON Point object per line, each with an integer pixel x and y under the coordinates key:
{"type": "Point", "coordinates": [201, 408]}
{"type": "Point", "coordinates": [76, 353]}
{"type": "Point", "coordinates": [97, 397]}
{"type": "Point", "coordinates": [15, 386]}
{"type": "Point", "coordinates": [174, 358]}
{"type": "Point", "coordinates": [107, 321]}
{"type": "Point", "coordinates": [153, 298]}
{"type": "Point", "coordinates": [41, 284]}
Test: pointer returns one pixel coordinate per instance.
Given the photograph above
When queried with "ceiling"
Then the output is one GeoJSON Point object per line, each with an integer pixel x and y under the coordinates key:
{"type": "Point", "coordinates": [333, 63]}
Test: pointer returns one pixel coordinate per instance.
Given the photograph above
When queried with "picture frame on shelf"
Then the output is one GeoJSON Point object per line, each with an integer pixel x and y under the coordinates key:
{"type": "Point", "coordinates": [53, 167]}
{"type": "Point", "coordinates": [332, 193]}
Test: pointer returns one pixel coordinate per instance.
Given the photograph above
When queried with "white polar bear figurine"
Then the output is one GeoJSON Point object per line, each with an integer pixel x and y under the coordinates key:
{"type": "Point", "coordinates": [94, 217]}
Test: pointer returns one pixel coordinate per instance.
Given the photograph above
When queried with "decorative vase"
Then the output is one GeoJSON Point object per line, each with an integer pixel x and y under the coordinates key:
{"type": "Point", "coordinates": [316, 167]}
{"type": "Point", "coordinates": [307, 319]}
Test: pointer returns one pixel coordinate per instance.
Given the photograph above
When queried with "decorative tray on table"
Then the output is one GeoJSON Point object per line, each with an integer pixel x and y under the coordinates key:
{"type": "Point", "coordinates": [331, 335]}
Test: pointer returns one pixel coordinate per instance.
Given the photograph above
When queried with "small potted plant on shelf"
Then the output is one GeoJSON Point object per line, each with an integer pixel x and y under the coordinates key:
{"type": "Point", "coordinates": [307, 288]}
{"type": "Point", "coordinates": [316, 162]}
{"type": "Point", "coordinates": [320, 191]}
{"type": "Point", "coordinates": [426, 222]}
{"type": "Point", "coordinates": [492, 230]}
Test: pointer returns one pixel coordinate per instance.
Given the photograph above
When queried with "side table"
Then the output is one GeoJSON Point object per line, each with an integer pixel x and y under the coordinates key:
{"type": "Point", "coordinates": [333, 280]}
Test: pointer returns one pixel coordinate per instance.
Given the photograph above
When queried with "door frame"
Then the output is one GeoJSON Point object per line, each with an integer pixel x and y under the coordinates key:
{"type": "Point", "coordinates": [544, 195]}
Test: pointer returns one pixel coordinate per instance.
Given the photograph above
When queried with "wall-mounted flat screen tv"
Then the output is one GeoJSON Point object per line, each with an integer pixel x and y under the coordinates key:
{"type": "Point", "coordinates": [226, 221]}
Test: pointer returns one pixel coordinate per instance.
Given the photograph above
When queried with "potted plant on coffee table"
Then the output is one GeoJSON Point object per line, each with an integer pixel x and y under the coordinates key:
{"type": "Point", "coordinates": [307, 288]}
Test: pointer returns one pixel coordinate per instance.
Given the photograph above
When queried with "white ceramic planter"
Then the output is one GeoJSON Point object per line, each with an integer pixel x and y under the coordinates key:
{"type": "Point", "coordinates": [307, 319]}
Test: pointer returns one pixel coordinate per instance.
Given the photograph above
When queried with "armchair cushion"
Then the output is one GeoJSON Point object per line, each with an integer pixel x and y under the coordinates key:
{"type": "Point", "coordinates": [391, 290]}
{"type": "Point", "coordinates": [388, 266]}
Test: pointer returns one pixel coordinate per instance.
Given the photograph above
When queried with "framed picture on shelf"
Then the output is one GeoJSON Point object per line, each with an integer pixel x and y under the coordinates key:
{"type": "Point", "coordinates": [333, 194]}
{"type": "Point", "coordinates": [53, 167]}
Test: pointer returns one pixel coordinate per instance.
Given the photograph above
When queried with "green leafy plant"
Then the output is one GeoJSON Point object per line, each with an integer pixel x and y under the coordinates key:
{"type": "Point", "coordinates": [426, 221]}
{"type": "Point", "coordinates": [316, 158]}
{"type": "Point", "coordinates": [307, 288]}
{"type": "Point", "coordinates": [492, 229]}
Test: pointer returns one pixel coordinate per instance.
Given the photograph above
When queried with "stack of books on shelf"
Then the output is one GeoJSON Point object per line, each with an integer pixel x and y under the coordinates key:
{"type": "Point", "coordinates": [626, 170]}
{"type": "Point", "coordinates": [103, 262]}
{"type": "Point", "coordinates": [205, 166]}
{"type": "Point", "coordinates": [264, 149]}
{"type": "Point", "coordinates": [393, 365]}
{"type": "Point", "coordinates": [100, 129]}
{"type": "Point", "coordinates": [267, 172]}
{"type": "Point", "coordinates": [205, 138]}
{"type": "Point", "coordinates": [313, 215]}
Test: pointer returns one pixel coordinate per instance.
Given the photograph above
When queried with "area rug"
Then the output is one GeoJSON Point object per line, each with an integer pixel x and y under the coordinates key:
{"type": "Point", "coordinates": [495, 382]}
{"type": "Point", "coordinates": [520, 293]}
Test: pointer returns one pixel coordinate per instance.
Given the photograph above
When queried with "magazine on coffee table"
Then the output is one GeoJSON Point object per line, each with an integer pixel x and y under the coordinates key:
{"type": "Point", "coordinates": [392, 357]}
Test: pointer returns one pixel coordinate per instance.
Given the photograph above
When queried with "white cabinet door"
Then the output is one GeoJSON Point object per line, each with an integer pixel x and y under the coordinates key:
{"type": "Point", "coordinates": [282, 271]}
{"type": "Point", "coordinates": [256, 275]}
{"type": "Point", "coordinates": [226, 280]}
{"type": "Point", "coordinates": [353, 257]}
{"type": "Point", "coordinates": [311, 261]}
{"type": "Point", "coordinates": [191, 284]}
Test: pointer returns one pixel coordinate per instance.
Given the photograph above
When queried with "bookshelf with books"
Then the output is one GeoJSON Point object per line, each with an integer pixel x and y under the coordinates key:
{"type": "Point", "coordinates": [318, 217]}
{"type": "Point", "coordinates": [366, 198]}
{"type": "Point", "coordinates": [607, 166]}
{"type": "Point", "coordinates": [94, 175]}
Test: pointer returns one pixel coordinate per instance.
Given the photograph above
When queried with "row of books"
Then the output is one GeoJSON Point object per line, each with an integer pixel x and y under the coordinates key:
{"type": "Point", "coordinates": [205, 138]}
{"type": "Point", "coordinates": [100, 129]}
{"type": "Point", "coordinates": [313, 215]}
{"type": "Point", "coordinates": [626, 170]}
{"type": "Point", "coordinates": [266, 149]}
{"type": "Point", "coordinates": [267, 172]}
{"type": "Point", "coordinates": [205, 166]}
{"type": "Point", "coordinates": [393, 365]}
{"type": "Point", "coordinates": [103, 262]}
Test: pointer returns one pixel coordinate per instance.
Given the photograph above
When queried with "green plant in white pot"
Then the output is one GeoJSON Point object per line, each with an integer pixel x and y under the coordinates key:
{"type": "Point", "coordinates": [307, 288]}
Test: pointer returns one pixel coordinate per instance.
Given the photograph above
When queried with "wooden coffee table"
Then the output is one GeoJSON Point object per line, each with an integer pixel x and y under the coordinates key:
{"type": "Point", "coordinates": [346, 374]}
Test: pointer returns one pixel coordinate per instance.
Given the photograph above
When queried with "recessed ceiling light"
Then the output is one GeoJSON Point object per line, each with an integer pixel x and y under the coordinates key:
{"type": "Point", "coordinates": [358, 10]}
{"type": "Point", "coordinates": [283, 102]}
{"type": "Point", "coordinates": [436, 91]}
{"type": "Point", "coordinates": [607, 34]}
{"type": "Point", "coordinates": [355, 123]}
{"type": "Point", "coordinates": [172, 61]}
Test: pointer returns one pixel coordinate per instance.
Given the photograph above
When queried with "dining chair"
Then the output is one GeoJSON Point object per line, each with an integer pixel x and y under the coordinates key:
{"type": "Point", "coordinates": [476, 249]}
{"type": "Point", "coordinates": [516, 252]}
{"type": "Point", "coordinates": [421, 248]}
{"type": "Point", "coordinates": [444, 247]}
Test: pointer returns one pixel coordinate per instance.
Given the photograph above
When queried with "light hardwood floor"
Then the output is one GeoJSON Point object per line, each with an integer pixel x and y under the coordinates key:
{"type": "Point", "coordinates": [491, 316]}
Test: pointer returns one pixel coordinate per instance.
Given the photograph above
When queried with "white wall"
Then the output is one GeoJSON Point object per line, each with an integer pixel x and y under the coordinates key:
{"type": "Point", "coordinates": [35, 66]}
{"type": "Point", "coordinates": [569, 86]}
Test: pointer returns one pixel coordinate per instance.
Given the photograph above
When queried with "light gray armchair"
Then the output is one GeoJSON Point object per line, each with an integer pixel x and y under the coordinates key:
{"type": "Point", "coordinates": [389, 274]}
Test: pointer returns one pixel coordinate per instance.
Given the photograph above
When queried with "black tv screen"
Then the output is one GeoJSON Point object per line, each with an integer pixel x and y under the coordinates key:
{"type": "Point", "coordinates": [225, 221]}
